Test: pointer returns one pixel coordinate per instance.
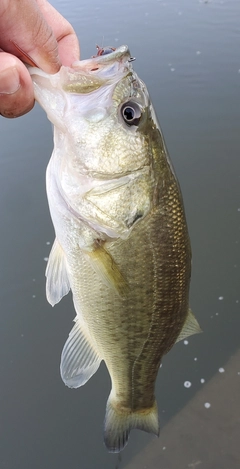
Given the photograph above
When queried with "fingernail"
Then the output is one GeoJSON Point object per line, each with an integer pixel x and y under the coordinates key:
{"type": "Point", "coordinates": [9, 81]}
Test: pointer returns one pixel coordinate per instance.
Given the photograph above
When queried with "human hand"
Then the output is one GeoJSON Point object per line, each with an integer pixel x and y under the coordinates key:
{"type": "Point", "coordinates": [43, 34]}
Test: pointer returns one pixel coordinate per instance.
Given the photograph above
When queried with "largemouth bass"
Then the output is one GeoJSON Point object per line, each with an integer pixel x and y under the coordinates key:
{"type": "Point", "coordinates": [122, 244]}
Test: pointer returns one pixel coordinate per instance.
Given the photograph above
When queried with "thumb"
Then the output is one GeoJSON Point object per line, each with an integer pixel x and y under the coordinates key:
{"type": "Point", "coordinates": [16, 90]}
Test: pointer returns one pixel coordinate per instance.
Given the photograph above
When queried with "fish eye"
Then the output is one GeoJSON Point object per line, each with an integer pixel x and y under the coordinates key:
{"type": "Point", "coordinates": [131, 112]}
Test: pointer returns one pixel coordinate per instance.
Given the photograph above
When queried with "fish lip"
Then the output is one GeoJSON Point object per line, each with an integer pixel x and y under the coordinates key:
{"type": "Point", "coordinates": [107, 68]}
{"type": "Point", "coordinates": [120, 54]}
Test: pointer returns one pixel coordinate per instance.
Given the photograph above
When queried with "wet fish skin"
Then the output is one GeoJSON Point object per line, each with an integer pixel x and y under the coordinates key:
{"type": "Point", "coordinates": [122, 243]}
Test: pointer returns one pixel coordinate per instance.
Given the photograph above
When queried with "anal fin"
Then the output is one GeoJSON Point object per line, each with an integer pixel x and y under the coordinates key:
{"type": "Point", "coordinates": [80, 359]}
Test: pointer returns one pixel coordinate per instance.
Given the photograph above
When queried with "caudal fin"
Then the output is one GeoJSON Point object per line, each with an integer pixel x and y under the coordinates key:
{"type": "Point", "coordinates": [118, 425]}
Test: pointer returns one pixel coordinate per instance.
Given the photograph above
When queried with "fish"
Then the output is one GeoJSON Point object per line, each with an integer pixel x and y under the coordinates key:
{"type": "Point", "coordinates": [122, 245]}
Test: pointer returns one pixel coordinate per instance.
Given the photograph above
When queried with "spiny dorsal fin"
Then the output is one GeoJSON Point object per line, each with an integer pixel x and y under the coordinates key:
{"type": "Point", "coordinates": [57, 284]}
{"type": "Point", "coordinates": [190, 327]}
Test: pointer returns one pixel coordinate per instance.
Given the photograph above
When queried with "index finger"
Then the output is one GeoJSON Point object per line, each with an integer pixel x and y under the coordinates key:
{"type": "Point", "coordinates": [68, 45]}
{"type": "Point", "coordinates": [40, 31]}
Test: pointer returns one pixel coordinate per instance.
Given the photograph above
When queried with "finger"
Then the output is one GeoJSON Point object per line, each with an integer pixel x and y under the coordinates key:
{"type": "Point", "coordinates": [16, 89]}
{"type": "Point", "coordinates": [68, 45]}
{"type": "Point", "coordinates": [23, 22]}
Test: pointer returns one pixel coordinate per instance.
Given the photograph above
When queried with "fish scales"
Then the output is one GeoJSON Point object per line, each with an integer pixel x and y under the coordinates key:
{"type": "Point", "coordinates": [122, 243]}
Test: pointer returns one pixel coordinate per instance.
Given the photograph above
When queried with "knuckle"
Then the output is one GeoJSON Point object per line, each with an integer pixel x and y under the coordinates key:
{"type": "Point", "coordinates": [45, 42]}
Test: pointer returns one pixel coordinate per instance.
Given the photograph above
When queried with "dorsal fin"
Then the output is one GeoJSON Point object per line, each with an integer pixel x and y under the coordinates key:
{"type": "Point", "coordinates": [190, 327]}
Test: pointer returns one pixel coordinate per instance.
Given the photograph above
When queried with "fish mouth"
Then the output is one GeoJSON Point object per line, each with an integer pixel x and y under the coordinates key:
{"type": "Point", "coordinates": [108, 67]}
{"type": "Point", "coordinates": [105, 57]}
{"type": "Point", "coordinates": [106, 54]}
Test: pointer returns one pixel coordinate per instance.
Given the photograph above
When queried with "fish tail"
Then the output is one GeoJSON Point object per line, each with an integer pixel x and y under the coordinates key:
{"type": "Point", "coordinates": [119, 423]}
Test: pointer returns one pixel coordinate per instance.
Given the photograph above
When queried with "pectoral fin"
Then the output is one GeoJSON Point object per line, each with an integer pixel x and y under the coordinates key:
{"type": "Point", "coordinates": [57, 284]}
{"type": "Point", "coordinates": [105, 266]}
{"type": "Point", "coordinates": [80, 359]}
{"type": "Point", "coordinates": [190, 327]}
